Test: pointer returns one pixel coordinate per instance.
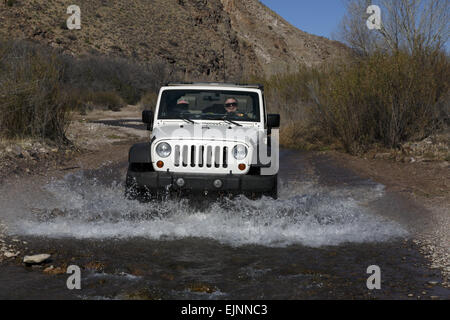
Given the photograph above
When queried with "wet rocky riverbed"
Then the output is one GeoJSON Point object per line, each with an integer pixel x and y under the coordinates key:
{"type": "Point", "coordinates": [316, 241]}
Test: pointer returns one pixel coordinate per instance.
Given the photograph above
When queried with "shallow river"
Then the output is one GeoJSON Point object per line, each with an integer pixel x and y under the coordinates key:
{"type": "Point", "coordinates": [316, 241]}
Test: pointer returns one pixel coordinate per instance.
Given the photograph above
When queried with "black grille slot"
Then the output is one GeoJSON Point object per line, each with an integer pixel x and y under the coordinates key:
{"type": "Point", "coordinates": [192, 156]}
{"type": "Point", "coordinates": [209, 155]}
{"type": "Point", "coordinates": [225, 157]}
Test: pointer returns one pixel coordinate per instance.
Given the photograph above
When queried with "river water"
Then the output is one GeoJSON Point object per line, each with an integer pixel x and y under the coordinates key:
{"type": "Point", "coordinates": [315, 241]}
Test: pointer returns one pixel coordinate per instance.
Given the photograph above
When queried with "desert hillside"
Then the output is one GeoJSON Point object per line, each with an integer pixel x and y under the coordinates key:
{"type": "Point", "coordinates": [199, 38]}
{"type": "Point", "coordinates": [278, 45]}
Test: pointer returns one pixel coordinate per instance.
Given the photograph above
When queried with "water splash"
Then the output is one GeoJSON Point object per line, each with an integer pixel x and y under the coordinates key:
{"type": "Point", "coordinates": [306, 214]}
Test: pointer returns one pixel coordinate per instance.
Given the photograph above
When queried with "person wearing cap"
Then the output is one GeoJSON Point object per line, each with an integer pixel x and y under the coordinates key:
{"type": "Point", "coordinates": [182, 106]}
{"type": "Point", "coordinates": [182, 102]}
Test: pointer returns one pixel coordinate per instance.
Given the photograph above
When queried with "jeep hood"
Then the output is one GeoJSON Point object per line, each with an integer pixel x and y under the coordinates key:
{"type": "Point", "coordinates": [206, 131]}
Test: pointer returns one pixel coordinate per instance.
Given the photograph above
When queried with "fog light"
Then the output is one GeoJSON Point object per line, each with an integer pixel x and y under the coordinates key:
{"type": "Point", "coordinates": [180, 182]}
{"type": "Point", "coordinates": [160, 164]}
{"type": "Point", "coordinates": [242, 167]}
{"type": "Point", "coordinates": [218, 184]}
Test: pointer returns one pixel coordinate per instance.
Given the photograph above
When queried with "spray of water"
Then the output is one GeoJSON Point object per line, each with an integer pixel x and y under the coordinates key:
{"type": "Point", "coordinates": [306, 214]}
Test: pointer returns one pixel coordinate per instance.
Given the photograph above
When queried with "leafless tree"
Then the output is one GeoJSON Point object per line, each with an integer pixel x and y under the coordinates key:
{"type": "Point", "coordinates": [406, 24]}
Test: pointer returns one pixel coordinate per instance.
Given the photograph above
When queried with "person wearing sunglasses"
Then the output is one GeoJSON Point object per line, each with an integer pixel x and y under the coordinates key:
{"type": "Point", "coordinates": [231, 107]}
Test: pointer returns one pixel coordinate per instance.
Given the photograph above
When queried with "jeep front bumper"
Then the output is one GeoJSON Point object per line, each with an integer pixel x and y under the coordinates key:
{"type": "Point", "coordinates": [203, 182]}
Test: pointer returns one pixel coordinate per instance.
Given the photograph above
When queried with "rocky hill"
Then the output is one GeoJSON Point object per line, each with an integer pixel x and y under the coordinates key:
{"type": "Point", "coordinates": [278, 45]}
{"type": "Point", "coordinates": [208, 39]}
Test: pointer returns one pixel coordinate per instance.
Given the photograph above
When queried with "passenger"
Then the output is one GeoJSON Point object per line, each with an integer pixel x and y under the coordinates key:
{"type": "Point", "coordinates": [182, 106]}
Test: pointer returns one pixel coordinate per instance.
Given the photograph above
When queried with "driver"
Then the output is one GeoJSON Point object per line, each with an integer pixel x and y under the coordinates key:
{"type": "Point", "coordinates": [231, 107]}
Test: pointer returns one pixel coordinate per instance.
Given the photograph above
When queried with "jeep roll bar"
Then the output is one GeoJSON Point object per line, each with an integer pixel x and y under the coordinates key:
{"type": "Point", "coordinates": [223, 84]}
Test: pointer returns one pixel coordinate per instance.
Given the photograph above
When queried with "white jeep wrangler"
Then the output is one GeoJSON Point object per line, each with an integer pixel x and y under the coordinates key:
{"type": "Point", "coordinates": [206, 138]}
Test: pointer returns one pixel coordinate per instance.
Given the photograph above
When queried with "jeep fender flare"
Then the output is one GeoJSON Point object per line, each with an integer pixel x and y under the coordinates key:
{"type": "Point", "coordinates": [140, 153]}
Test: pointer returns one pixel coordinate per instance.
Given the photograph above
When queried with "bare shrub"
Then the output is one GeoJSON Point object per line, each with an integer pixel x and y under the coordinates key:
{"type": "Point", "coordinates": [290, 96]}
{"type": "Point", "coordinates": [39, 87]}
{"type": "Point", "coordinates": [105, 74]}
{"type": "Point", "coordinates": [407, 25]}
{"type": "Point", "coordinates": [33, 100]}
{"type": "Point", "coordinates": [395, 90]}
{"type": "Point", "coordinates": [385, 99]}
{"type": "Point", "coordinates": [148, 100]}
{"type": "Point", "coordinates": [106, 100]}
{"type": "Point", "coordinates": [10, 3]}
{"type": "Point", "coordinates": [382, 99]}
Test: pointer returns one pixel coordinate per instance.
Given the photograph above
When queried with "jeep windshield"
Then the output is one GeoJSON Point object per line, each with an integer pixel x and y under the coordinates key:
{"type": "Point", "coordinates": [221, 105]}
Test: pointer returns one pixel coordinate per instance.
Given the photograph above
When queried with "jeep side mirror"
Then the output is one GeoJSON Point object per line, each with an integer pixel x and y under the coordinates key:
{"type": "Point", "coordinates": [273, 120]}
{"type": "Point", "coordinates": [147, 118]}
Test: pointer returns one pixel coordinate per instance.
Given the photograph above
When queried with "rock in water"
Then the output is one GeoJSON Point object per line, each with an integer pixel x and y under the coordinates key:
{"type": "Point", "coordinates": [54, 271]}
{"type": "Point", "coordinates": [10, 254]}
{"type": "Point", "coordinates": [36, 259]}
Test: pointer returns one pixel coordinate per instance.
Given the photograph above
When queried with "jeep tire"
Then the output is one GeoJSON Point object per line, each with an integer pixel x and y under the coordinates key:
{"type": "Point", "coordinates": [274, 192]}
{"type": "Point", "coordinates": [134, 192]}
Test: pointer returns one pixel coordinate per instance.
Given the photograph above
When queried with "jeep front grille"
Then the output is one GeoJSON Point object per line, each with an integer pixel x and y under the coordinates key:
{"type": "Point", "coordinates": [201, 156]}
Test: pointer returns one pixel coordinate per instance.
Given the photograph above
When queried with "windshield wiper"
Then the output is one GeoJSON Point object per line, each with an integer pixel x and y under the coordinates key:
{"type": "Point", "coordinates": [231, 121]}
{"type": "Point", "coordinates": [183, 117]}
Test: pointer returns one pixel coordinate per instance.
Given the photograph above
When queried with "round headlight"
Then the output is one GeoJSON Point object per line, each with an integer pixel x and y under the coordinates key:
{"type": "Point", "coordinates": [240, 152]}
{"type": "Point", "coordinates": [163, 149]}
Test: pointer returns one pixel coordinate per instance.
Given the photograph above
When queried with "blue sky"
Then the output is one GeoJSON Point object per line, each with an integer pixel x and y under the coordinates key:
{"type": "Point", "coordinates": [319, 17]}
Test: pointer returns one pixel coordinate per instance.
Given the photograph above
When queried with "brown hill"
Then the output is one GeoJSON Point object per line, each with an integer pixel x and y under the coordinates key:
{"type": "Point", "coordinates": [278, 45]}
{"type": "Point", "coordinates": [199, 38]}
